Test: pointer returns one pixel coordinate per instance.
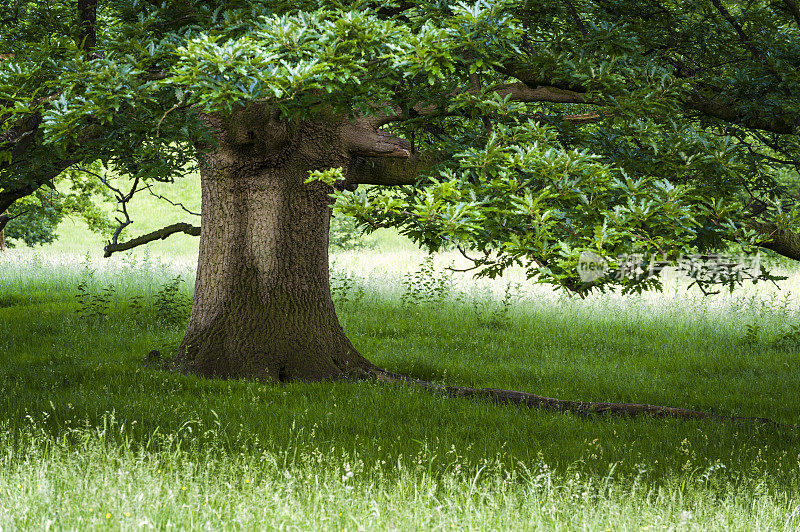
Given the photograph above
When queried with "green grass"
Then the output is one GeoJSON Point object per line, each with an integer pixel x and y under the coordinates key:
{"type": "Point", "coordinates": [91, 438]}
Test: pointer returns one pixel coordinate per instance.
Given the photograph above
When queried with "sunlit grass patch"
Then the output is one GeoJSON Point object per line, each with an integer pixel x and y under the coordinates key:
{"type": "Point", "coordinates": [90, 435]}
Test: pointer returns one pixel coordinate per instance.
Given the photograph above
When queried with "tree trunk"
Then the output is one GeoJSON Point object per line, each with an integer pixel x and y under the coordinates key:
{"type": "Point", "coordinates": [262, 307]}
{"type": "Point", "coordinates": [4, 218]}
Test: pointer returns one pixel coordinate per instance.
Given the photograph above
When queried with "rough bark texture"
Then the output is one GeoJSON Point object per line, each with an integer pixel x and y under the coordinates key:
{"type": "Point", "coordinates": [87, 19]}
{"type": "Point", "coordinates": [781, 241]}
{"type": "Point", "coordinates": [262, 306]}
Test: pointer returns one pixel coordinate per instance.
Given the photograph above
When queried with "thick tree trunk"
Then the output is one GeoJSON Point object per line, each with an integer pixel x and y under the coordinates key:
{"type": "Point", "coordinates": [262, 307]}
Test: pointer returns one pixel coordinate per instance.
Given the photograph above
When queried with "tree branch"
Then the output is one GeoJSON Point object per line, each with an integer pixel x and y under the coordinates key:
{"type": "Point", "coordinates": [521, 92]}
{"type": "Point", "coordinates": [20, 141]}
{"type": "Point", "coordinates": [87, 19]}
{"type": "Point", "coordinates": [518, 92]}
{"type": "Point", "coordinates": [363, 140]}
{"type": "Point", "coordinates": [585, 118]}
{"type": "Point", "coordinates": [576, 17]}
{"type": "Point", "coordinates": [792, 5]}
{"type": "Point", "coordinates": [389, 172]}
{"type": "Point", "coordinates": [149, 188]}
{"type": "Point", "coordinates": [21, 135]}
{"type": "Point", "coordinates": [748, 43]}
{"type": "Point", "coordinates": [715, 107]}
{"type": "Point", "coordinates": [161, 234]}
{"type": "Point", "coordinates": [781, 241]}
{"type": "Point", "coordinates": [727, 112]}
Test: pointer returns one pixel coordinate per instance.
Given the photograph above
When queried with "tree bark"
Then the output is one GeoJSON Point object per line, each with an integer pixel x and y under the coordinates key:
{"type": "Point", "coordinates": [262, 307]}
{"type": "Point", "coordinates": [4, 219]}
{"type": "Point", "coordinates": [87, 20]}
{"type": "Point", "coordinates": [781, 241]}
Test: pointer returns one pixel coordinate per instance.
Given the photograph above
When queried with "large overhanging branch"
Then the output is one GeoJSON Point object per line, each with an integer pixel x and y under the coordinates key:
{"type": "Point", "coordinates": [387, 171]}
{"type": "Point", "coordinates": [781, 241]}
{"type": "Point", "coordinates": [362, 139]}
{"type": "Point", "coordinates": [11, 193]}
{"type": "Point", "coordinates": [380, 158]}
{"type": "Point", "coordinates": [161, 234]}
{"type": "Point", "coordinates": [8, 197]}
{"type": "Point", "coordinates": [714, 106]}
{"type": "Point", "coordinates": [522, 92]}
{"type": "Point", "coordinates": [727, 111]}
{"type": "Point", "coordinates": [20, 142]}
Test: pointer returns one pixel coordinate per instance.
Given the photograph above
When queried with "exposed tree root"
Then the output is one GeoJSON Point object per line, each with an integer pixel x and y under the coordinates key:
{"type": "Point", "coordinates": [560, 405]}
{"type": "Point", "coordinates": [155, 360]}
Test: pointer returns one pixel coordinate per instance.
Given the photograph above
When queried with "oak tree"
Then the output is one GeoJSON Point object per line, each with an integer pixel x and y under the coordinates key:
{"type": "Point", "coordinates": [522, 133]}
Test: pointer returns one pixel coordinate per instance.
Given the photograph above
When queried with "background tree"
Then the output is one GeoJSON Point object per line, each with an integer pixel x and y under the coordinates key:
{"type": "Point", "coordinates": [33, 219]}
{"type": "Point", "coordinates": [522, 132]}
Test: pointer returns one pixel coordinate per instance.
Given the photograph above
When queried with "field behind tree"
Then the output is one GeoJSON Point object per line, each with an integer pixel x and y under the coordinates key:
{"type": "Point", "coordinates": [92, 437]}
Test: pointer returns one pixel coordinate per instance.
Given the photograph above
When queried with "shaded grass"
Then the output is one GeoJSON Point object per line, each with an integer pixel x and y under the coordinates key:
{"type": "Point", "coordinates": [72, 389]}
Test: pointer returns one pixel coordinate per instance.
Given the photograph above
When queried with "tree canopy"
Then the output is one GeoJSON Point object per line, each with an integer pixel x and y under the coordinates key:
{"type": "Point", "coordinates": [520, 132]}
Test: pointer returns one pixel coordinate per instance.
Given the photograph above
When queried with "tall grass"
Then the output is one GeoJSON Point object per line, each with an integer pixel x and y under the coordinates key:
{"type": "Point", "coordinates": [90, 435]}
{"type": "Point", "coordinates": [88, 478]}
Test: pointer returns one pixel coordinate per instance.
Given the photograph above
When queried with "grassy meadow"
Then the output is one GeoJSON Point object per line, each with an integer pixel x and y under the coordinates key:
{"type": "Point", "coordinates": [92, 438]}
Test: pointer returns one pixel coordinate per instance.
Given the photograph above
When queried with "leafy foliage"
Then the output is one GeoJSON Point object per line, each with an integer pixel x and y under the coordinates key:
{"type": "Point", "coordinates": [94, 305]}
{"type": "Point", "coordinates": [345, 233]}
{"type": "Point", "coordinates": [34, 219]}
{"type": "Point", "coordinates": [667, 127]}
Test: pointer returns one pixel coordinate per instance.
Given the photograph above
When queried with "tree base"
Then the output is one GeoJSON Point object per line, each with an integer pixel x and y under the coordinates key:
{"type": "Point", "coordinates": [316, 354]}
